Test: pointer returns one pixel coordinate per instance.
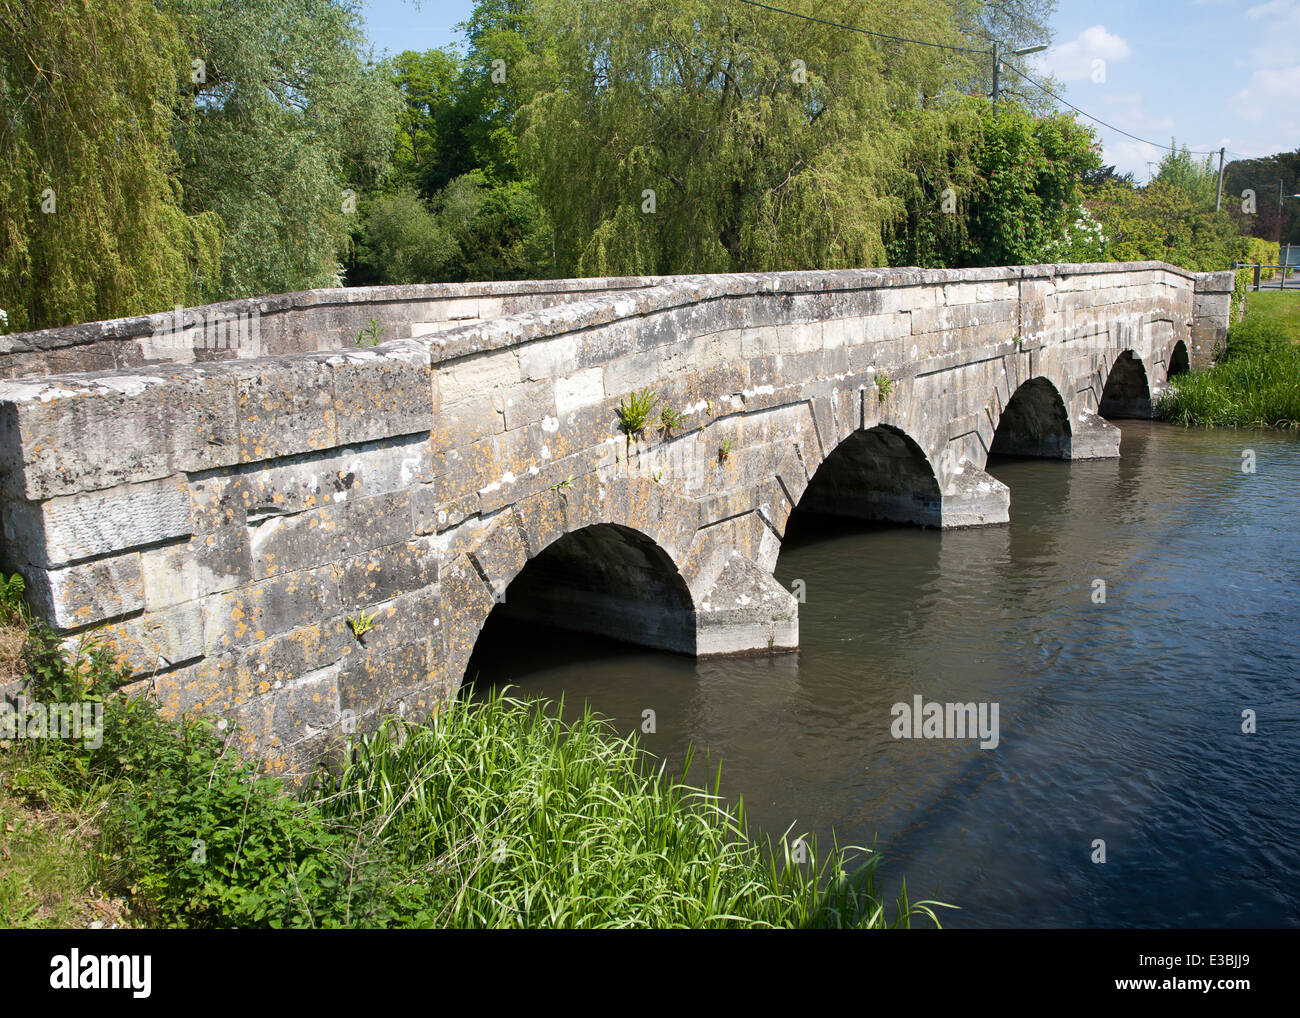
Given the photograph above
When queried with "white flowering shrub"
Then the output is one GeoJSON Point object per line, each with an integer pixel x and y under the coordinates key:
{"type": "Point", "coordinates": [1082, 241]}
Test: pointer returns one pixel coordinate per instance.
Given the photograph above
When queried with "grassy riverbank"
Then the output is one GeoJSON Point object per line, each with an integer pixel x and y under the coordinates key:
{"type": "Point", "coordinates": [1256, 382]}
{"type": "Point", "coordinates": [497, 814]}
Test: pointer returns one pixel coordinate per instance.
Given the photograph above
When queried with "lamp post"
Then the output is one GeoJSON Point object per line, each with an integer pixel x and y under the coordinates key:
{"type": "Point", "coordinates": [997, 65]}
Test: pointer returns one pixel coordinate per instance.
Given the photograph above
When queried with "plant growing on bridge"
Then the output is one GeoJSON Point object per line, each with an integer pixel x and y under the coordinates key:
{"type": "Point", "coordinates": [670, 418]}
{"type": "Point", "coordinates": [369, 336]}
{"type": "Point", "coordinates": [884, 386]}
{"type": "Point", "coordinates": [560, 487]}
{"type": "Point", "coordinates": [724, 450]}
{"type": "Point", "coordinates": [362, 624]}
{"type": "Point", "coordinates": [634, 412]}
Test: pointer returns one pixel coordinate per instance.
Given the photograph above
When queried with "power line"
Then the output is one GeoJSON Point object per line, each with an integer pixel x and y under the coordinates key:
{"type": "Point", "coordinates": [982, 52]}
{"type": "Point", "coordinates": [878, 35]}
{"type": "Point", "coordinates": [1103, 123]}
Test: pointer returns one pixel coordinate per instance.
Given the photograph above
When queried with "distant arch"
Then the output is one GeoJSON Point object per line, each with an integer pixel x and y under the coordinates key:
{"type": "Point", "coordinates": [1127, 392]}
{"type": "Point", "coordinates": [879, 473]}
{"type": "Point", "coordinates": [1179, 363]}
{"type": "Point", "coordinates": [1034, 423]}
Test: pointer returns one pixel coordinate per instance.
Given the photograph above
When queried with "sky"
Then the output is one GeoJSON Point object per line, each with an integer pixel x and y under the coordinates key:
{"type": "Point", "coordinates": [1208, 73]}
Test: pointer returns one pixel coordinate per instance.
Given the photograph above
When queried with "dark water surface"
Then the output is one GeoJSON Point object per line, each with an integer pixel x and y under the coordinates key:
{"type": "Point", "coordinates": [1119, 721]}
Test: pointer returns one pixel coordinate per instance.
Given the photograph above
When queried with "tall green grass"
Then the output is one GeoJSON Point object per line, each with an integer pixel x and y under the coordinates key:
{"type": "Point", "coordinates": [514, 818]}
{"type": "Point", "coordinates": [1256, 383]}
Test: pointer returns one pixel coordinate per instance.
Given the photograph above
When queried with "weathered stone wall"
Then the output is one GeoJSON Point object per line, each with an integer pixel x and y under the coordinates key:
{"type": "Point", "coordinates": [1212, 302]}
{"type": "Point", "coordinates": [311, 320]}
{"type": "Point", "coordinates": [220, 523]}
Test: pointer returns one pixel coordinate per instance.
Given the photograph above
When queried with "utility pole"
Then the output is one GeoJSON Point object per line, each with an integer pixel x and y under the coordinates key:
{"type": "Point", "coordinates": [1279, 212]}
{"type": "Point", "coordinates": [1218, 201]}
{"type": "Point", "coordinates": [997, 66]}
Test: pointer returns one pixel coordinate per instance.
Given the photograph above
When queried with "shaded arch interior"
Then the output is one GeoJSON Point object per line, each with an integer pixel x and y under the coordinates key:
{"type": "Point", "coordinates": [1034, 423]}
{"type": "Point", "coordinates": [605, 579]}
{"type": "Point", "coordinates": [876, 474]}
{"type": "Point", "coordinates": [1126, 393]}
{"type": "Point", "coordinates": [1179, 363]}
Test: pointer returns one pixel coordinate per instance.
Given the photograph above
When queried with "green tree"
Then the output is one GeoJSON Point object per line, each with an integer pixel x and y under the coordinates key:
{"type": "Point", "coordinates": [91, 217]}
{"type": "Point", "coordinates": [991, 190]}
{"type": "Point", "coordinates": [285, 117]}
{"type": "Point", "coordinates": [1262, 176]}
{"type": "Point", "coordinates": [714, 136]}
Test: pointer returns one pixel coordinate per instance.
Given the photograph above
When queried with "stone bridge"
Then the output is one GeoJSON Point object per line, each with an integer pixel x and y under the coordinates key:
{"type": "Point", "coordinates": [227, 494]}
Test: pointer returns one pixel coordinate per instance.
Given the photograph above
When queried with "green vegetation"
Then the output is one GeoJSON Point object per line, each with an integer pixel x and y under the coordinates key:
{"type": "Point", "coordinates": [92, 219]}
{"type": "Point", "coordinates": [724, 450]}
{"type": "Point", "coordinates": [1171, 219]}
{"type": "Point", "coordinates": [884, 386]}
{"type": "Point", "coordinates": [220, 152]}
{"type": "Point", "coordinates": [361, 625]}
{"type": "Point", "coordinates": [670, 419]}
{"type": "Point", "coordinates": [634, 412]}
{"type": "Point", "coordinates": [369, 336]}
{"type": "Point", "coordinates": [492, 814]}
{"type": "Point", "coordinates": [1256, 383]}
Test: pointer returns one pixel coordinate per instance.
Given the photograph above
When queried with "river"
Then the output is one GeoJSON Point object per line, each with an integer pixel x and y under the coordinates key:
{"type": "Point", "coordinates": [1120, 720]}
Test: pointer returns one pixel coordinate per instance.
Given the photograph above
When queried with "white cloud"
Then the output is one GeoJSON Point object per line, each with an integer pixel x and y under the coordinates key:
{"type": "Point", "coordinates": [1073, 60]}
{"type": "Point", "coordinates": [1270, 92]}
{"type": "Point", "coordinates": [1274, 29]}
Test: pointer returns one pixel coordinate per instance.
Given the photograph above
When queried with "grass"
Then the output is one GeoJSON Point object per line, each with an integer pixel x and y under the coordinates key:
{"type": "Point", "coordinates": [493, 814]}
{"type": "Point", "coordinates": [1256, 383]}
{"type": "Point", "coordinates": [1280, 306]}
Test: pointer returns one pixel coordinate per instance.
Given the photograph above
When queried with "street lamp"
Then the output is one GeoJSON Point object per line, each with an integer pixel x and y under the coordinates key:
{"type": "Point", "coordinates": [997, 64]}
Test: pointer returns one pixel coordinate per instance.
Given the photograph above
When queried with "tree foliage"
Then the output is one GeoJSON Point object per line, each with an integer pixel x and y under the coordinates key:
{"type": "Point", "coordinates": [92, 221]}
{"type": "Point", "coordinates": [286, 117]}
{"type": "Point", "coordinates": [1171, 219]}
{"type": "Point", "coordinates": [719, 137]}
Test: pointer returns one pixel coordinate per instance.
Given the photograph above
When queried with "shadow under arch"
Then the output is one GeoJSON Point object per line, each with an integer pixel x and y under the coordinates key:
{"type": "Point", "coordinates": [877, 474]}
{"type": "Point", "coordinates": [604, 579]}
{"type": "Point", "coordinates": [1034, 423]}
{"type": "Point", "coordinates": [1127, 392]}
{"type": "Point", "coordinates": [1179, 362]}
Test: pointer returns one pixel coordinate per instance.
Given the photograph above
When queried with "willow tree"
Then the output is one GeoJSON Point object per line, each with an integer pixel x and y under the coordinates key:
{"type": "Point", "coordinates": [283, 115]}
{"type": "Point", "coordinates": [711, 135]}
{"type": "Point", "coordinates": [91, 220]}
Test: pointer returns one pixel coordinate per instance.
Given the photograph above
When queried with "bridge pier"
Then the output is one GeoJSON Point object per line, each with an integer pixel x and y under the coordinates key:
{"type": "Point", "coordinates": [1094, 438]}
{"type": "Point", "coordinates": [746, 612]}
{"type": "Point", "coordinates": [974, 498]}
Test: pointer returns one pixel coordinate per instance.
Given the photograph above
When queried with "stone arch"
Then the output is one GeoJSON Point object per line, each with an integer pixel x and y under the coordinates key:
{"type": "Point", "coordinates": [615, 514]}
{"type": "Point", "coordinates": [1179, 362]}
{"type": "Point", "coordinates": [1127, 392]}
{"type": "Point", "coordinates": [604, 578]}
{"type": "Point", "coordinates": [879, 473]}
{"type": "Point", "coordinates": [1034, 422]}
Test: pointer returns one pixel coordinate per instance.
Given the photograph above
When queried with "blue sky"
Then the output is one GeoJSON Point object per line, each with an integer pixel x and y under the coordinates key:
{"type": "Point", "coordinates": [1210, 73]}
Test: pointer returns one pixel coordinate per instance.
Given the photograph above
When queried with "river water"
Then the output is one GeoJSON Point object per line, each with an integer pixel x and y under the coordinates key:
{"type": "Point", "coordinates": [1119, 721]}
